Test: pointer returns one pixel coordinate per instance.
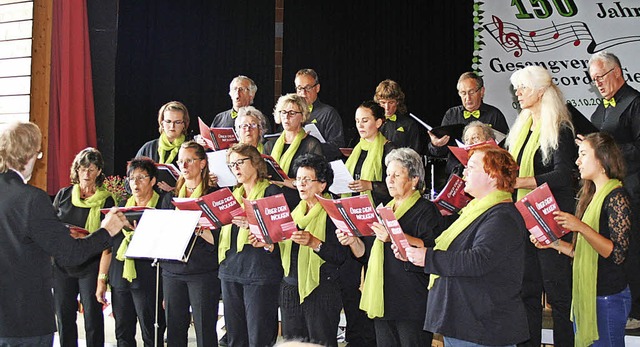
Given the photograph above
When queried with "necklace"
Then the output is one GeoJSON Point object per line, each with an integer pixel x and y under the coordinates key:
{"type": "Point", "coordinates": [191, 189]}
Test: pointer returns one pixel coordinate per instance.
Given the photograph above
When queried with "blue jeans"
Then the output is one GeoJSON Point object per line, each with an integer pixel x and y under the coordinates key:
{"type": "Point", "coordinates": [612, 312]}
{"type": "Point", "coordinates": [451, 342]}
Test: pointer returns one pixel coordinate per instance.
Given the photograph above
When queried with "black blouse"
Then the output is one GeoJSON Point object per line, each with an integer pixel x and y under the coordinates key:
{"type": "Point", "coordinates": [77, 216]}
{"type": "Point", "coordinates": [615, 225]}
{"type": "Point", "coordinates": [252, 265]}
{"type": "Point", "coordinates": [332, 252]}
{"type": "Point", "coordinates": [405, 285]}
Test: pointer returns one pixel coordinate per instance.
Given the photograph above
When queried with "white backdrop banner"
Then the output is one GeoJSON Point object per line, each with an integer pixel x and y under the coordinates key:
{"type": "Point", "coordinates": [559, 35]}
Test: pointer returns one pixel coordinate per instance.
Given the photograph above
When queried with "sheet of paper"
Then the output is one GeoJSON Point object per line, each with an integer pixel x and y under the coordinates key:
{"type": "Point", "coordinates": [163, 234]}
{"type": "Point", "coordinates": [341, 178]}
{"type": "Point", "coordinates": [218, 165]}
{"type": "Point", "coordinates": [312, 129]}
{"type": "Point", "coordinates": [429, 127]}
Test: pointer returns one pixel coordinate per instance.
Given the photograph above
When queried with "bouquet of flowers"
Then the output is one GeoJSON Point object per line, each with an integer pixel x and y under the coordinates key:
{"type": "Point", "coordinates": [116, 186]}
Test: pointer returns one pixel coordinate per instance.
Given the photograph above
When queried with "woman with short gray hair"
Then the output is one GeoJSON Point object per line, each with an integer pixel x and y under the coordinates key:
{"type": "Point", "coordinates": [394, 294]}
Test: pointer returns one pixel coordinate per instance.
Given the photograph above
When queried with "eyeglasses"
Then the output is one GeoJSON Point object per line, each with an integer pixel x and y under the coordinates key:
{"type": "Point", "coordinates": [239, 89]}
{"type": "Point", "coordinates": [187, 161]}
{"type": "Point", "coordinates": [289, 114]}
{"type": "Point", "coordinates": [306, 88]}
{"type": "Point", "coordinates": [247, 126]}
{"type": "Point", "coordinates": [470, 93]}
{"type": "Point", "coordinates": [169, 122]}
{"type": "Point", "coordinates": [303, 181]}
{"type": "Point", "coordinates": [598, 79]}
{"type": "Point", "coordinates": [137, 178]}
{"type": "Point", "coordinates": [234, 164]}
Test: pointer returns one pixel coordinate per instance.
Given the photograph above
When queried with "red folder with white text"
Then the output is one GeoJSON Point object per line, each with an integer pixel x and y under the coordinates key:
{"type": "Point", "coordinates": [352, 215]}
{"type": "Point", "coordinates": [218, 207]}
{"type": "Point", "coordinates": [217, 138]}
{"type": "Point", "coordinates": [270, 219]}
{"type": "Point", "coordinates": [452, 198]}
{"type": "Point", "coordinates": [396, 234]}
{"type": "Point", "coordinates": [537, 209]}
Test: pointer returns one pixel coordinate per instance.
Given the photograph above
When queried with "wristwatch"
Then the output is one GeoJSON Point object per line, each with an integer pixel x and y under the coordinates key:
{"type": "Point", "coordinates": [317, 249]}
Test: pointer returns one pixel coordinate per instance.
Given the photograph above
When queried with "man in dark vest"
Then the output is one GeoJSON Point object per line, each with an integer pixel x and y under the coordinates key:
{"type": "Point", "coordinates": [619, 115]}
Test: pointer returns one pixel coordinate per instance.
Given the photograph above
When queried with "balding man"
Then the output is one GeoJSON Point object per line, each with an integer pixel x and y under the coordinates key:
{"type": "Point", "coordinates": [471, 91]}
{"type": "Point", "coordinates": [242, 90]}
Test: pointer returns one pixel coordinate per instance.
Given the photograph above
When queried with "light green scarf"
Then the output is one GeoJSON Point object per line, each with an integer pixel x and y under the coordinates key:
{"type": "Point", "coordinates": [129, 269]}
{"type": "Point", "coordinates": [195, 194]}
{"type": "Point", "coordinates": [94, 203]}
{"type": "Point", "coordinates": [529, 151]}
{"type": "Point", "coordinates": [372, 300]}
{"type": "Point", "coordinates": [372, 166]}
{"type": "Point", "coordinates": [585, 272]}
{"type": "Point", "coordinates": [164, 146]}
{"type": "Point", "coordinates": [468, 214]}
{"type": "Point", "coordinates": [243, 233]}
{"type": "Point", "coordinates": [315, 222]}
{"type": "Point", "coordinates": [284, 159]}
{"type": "Point", "coordinates": [260, 148]}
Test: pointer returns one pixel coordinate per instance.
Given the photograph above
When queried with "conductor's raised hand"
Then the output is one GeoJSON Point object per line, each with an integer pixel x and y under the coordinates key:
{"type": "Point", "coordinates": [114, 221]}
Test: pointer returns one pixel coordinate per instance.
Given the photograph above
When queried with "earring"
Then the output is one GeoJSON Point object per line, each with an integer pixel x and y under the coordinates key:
{"type": "Point", "coordinates": [414, 187]}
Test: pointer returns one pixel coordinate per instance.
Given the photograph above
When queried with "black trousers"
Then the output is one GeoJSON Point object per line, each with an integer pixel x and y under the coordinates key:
{"type": "Point", "coordinates": [202, 293]}
{"type": "Point", "coordinates": [401, 333]}
{"type": "Point", "coordinates": [316, 319]}
{"type": "Point", "coordinates": [65, 293]}
{"type": "Point", "coordinates": [548, 270]}
{"type": "Point", "coordinates": [250, 313]}
{"type": "Point", "coordinates": [131, 306]}
{"type": "Point", "coordinates": [360, 331]}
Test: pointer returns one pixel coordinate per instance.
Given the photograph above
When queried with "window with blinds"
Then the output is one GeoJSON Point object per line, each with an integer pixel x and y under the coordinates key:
{"type": "Point", "coordinates": [16, 22]}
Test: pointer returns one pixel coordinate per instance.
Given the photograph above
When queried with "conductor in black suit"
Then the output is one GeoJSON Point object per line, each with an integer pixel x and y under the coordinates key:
{"type": "Point", "coordinates": [30, 233]}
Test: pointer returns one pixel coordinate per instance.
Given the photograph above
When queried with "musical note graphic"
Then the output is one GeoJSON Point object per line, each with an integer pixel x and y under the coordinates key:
{"type": "Point", "coordinates": [514, 39]}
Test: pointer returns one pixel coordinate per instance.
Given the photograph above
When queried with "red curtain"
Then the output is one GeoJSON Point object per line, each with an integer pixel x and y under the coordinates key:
{"type": "Point", "coordinates": [72, 124]}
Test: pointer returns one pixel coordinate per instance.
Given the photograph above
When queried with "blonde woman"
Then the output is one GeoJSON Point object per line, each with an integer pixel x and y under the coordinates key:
{"type": "Point", "coordinates": [542, 143]}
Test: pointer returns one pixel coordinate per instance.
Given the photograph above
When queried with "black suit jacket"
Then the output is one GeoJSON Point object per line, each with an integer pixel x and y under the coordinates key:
{"type": "Point", "coordinates": [30, 233]}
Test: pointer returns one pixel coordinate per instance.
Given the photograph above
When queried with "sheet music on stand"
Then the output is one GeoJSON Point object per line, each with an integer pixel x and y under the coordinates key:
{"type": "Point", "coordinates": [164, 234]}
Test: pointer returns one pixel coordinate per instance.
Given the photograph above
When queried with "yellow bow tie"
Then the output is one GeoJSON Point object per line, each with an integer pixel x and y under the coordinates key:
{"type": "Point", "coordinates": [391, 118]}
{"type": "Point", "coordinates": [234, 114]}
{"type": "Point", "coordinates": [611, 102]}
{"type": "Point", "coordinates": [468, 114]}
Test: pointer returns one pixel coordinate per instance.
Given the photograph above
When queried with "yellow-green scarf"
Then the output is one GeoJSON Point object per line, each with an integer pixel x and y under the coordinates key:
{"type": "Point", "coordinates": [164, 146]}
{"type": "Point", "coordinates": [372, 166]}
{"type": "Point", "coordinates": [529, 151]}
{"type": "Point", "coordinates": [94, 203]}
{"type": "Point", "coordinates": [195, 194]}
{"type": "Point", "coordinates": [243, 233]}
{"type": "Point", "coordinates": [129, 268]}
{"type": "Point", "coordinates": [261, 148]}
{"type": "Point", "coordinates": [372, 300]}
{"type": "Point", "coordinates": [585, 272]}
{"type": "Point", "coordinates": [315, 222]}
{"type": "Point", "coordinates": [284, 159]}
{"type": "Point", "coordinates": [467, 215]}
